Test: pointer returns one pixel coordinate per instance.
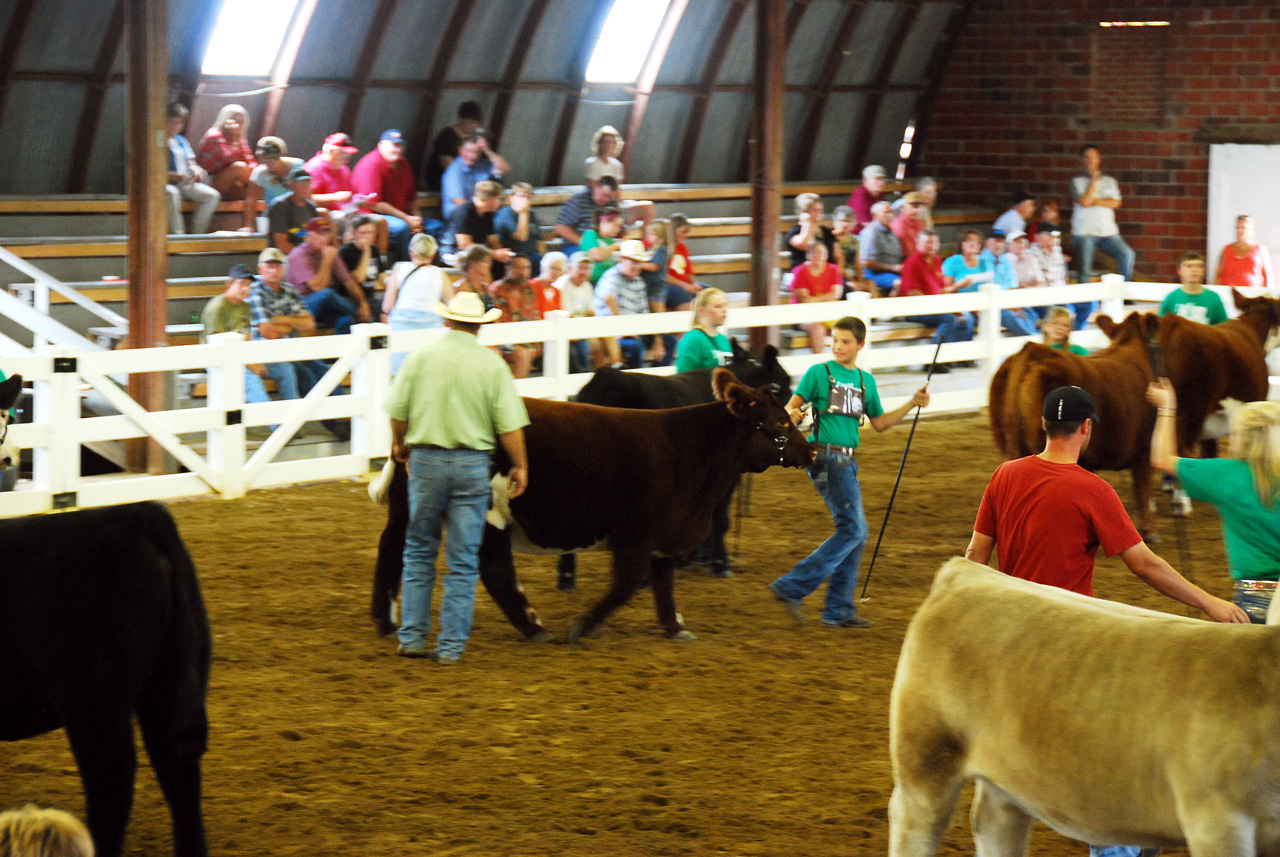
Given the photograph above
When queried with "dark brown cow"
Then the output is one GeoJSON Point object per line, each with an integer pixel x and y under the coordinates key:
{"type": "Point", "coordinates": [1210, 363]}
{"type": "Point", "coordinates": [643, 483]}
{"type": "Point", "coordinates": [1116, 377]}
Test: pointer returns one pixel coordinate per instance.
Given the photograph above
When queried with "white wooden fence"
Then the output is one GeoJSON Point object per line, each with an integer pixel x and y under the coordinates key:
{"type": "Point", "coordinates": [61, 375]}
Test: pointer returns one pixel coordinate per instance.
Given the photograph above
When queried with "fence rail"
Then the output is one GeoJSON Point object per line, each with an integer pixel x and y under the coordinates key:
{"type": "Point", "coordinates": [62, 375]}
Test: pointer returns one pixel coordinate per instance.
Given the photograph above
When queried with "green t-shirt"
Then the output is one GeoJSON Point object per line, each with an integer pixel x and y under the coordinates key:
{"type": "Point", "coordinates": [1205, 307]}
{"type": "Point", "coordinates": [13, 412]}
{"type": "Point", "coordinates": [697, 350]}
{"type": "Point", "coordinates": [222, 316]}
{"type": "Point", "coordinates": [1250, 530]}
{"type": "Point", "coordinates": [592, 239]}
{"type": "Point", "coordinates": [837, 429]}
{"type": "Point", "coordinates": [1071, 349]}
{"type": "Point", "coordinates": [455, 393]}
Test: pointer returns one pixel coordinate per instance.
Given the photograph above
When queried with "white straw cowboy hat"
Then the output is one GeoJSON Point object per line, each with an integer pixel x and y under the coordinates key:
{"type": "Point", "coordinates": [467, 307]}
{"type": "Point", "coordinates": [632, 249]}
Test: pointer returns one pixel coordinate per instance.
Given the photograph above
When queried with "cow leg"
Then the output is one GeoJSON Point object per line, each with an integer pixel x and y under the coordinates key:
{"type": "Point", "coordinates": [498, 572]}
{"type": "Point", "coordinates": [630, 566]}
{"type": "Point", "coordinates": [175, 758]}
{"type": "Point", "coordinates": [719, 529]}
{"type": "Point", "coordinates": [390, 567]}
{"type": "Point", "coordinates": [567, 572]}
{"type": "Point", "coordinates": [1000, 827]}
{"type": "Point", "coordinates": [928, 775]}
{"type": "Point", "coordinates": [1141, 473]}
{"type": "Point", "coordinates": [662, 574]}
{"type": "Point", "coordinates": [101, 737]}
{"type": "Point", "coordinates": [1224, 833]}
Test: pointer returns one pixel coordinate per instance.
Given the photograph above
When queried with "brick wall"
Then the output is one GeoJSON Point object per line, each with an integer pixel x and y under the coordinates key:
{"type": "Point", "coordinates": [1029, 83]}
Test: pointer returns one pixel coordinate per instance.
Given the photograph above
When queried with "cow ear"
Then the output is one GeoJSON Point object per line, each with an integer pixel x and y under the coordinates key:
{"type": "Point", "coordinates": [770, 356]}
{"type": "Point", "coordinates": [1150, 324]}
{"type": "Point", "coordinates": [721, 380]}
{"type": "Point", "coordinates": [1240, 300]}
{"type": "Point", "coordinates": [740, 354]}
{"type": "Point", "coordinates": [1105, 324]}
{"type": "Point", "coordinates": [10, 389]}
{"type": "Point", "coordinates": [738, 396]}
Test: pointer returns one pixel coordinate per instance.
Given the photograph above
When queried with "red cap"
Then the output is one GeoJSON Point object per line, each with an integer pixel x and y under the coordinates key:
{"type": "Point", "coordinates": [342, 141]}
{"type": "Point", "coordinates": [319, 224]}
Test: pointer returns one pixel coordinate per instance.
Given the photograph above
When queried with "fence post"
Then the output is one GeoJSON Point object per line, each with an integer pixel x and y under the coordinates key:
{"type": "Point", "coordinates": [225, 393]}
{"type": "Point", "coordinates": [859, 306]}
{"type": "Point", "coordinates": [371, 378]}
{"type": "Point", "coordinates": [40, 300]}
{"type": "Point", "coordinates": [989, 325]}
{"type": "Point", "coordinates": [1112, 303]}
{"type": "Point", "coordinates": [57, 405]}
{"type": "Point", "coordinates": [555, 352]}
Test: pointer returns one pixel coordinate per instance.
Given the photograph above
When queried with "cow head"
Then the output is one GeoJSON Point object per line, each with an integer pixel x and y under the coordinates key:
{"type": "Point", "coordinates": [1260, 311]}
{"type": "Point", "coordinates": [10, 389]}
{"type": "Point", "coordinates": [758, 372]}
{"type": "Point", "coordinates": [775, 439]}
{"type": "Point", "coordinates": [1137, 327]}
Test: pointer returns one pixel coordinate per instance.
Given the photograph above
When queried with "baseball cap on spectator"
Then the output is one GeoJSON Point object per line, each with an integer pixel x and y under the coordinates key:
{"type": "Point", "coordinates": [633, 249]}
{"type": "Point", "coordinates": [271, 254]}
{"type": "Point", "coordinates": [241, 272]}
{"type": "Point", "coordinates": [1015, 235]}
{"type": "Point", "coordinates": [996, 233]}
{"type": "Point", "coordinates": [874, 171]}
{"type": "Point", "coordinates": [914, 198]}
{"type": "Point", "coordinates": [391, 135]}
{"type": "Point", "coordinates": [319, 224]}
{"type": "Point", "coordinates": [270, 147]}
{"type": "Point", "coordinates": [341, 141]}
{"type": "Point", "coordinates": [298, 174]}
{"type": "Point", "coordinates": [1069, 405]}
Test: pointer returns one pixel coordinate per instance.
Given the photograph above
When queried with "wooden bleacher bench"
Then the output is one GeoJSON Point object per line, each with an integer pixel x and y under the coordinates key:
{"type": "Point", "coordinates": [117, 245]}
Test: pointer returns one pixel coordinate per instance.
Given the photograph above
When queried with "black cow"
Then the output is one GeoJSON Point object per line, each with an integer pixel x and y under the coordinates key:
{"type": "Point", "coordinates": [617, 389]}
{"type": "Point", "coordinates": [101, 620]}
{"type": "Point", "coordinates": [642, 483]}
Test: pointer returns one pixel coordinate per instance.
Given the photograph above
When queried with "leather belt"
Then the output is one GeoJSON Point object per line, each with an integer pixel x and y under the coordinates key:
{"type": "Point", "coordinates": [837, 450]}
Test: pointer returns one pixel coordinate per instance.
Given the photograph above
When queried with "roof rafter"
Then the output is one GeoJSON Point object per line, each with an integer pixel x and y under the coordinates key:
{"type": "Point", "coordinates": [649, 75]}
{"type": "Point", "coordinates": [702, 96]}
{"type": "Point", "coordinates": [578, 77]}
{"type": "Point", "coordinates": [91, 112]}
{"type": "Point", "coordinates": [188, 73]}
{"type": "Point", "coordinates": [422, 126]}
{"type": "Point", "coordinates": [364, 64]}
{"type": "Point", "coordinates": [942, 49]}
{"type": "Point", "coordinates": [826, 80]}
{"type": "Point", "coordinates": [794, 16]}
{"type": "Point", "coordinates": [12, 46]}
{"type": "Point", "coordinates": [284, 64]}
{"type": "Point", "coordinates": [515, 64]}
{"type": "Point", "coordinates": [871, 107]}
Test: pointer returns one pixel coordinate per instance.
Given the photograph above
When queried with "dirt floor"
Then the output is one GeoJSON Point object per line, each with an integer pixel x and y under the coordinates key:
{"type": "Point", "coordinates": [758, 738]}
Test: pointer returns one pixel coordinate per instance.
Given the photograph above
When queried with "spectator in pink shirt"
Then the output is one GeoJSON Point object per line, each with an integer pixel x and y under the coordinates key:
{"type": "Point", "coordinates": [331, 186]}
{"type": "Point", "coordinates": [910, 221]}
{"type": "Point", "coordinates": [327, 288]}
{"type": "Point", "coordinates": [224, 153]}
{"type": "Point", "coordinates": [385, 172]}
{"type": "Point", "coordinates": [871, 192]}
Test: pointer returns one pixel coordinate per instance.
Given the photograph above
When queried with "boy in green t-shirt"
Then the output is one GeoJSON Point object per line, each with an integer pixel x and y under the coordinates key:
{"type": "Point", "coordinates": [841, 395]}
{"type": "Point", "coordinates": [1193, 300]}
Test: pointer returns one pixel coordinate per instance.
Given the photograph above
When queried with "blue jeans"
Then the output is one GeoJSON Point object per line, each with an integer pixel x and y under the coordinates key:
{"type": "Point", "coordinates": [884, 280]}
{"type": "Point", "coordinates": [1256, 604]}
{"type": "Point", "coordinates": [398, 235]}
{"type": "Point", "coordinates": [1114, 851]}
{"type": "Point", "coordinates": [1025, 326]}
{"type": "Point", "coordinates": [579, 356]}
{"type": "Point", "coordinates": [837, 559]}
{"type": "Point", "coordinates": [1083, 311]}
{"type": "Point", "coordinates": [947, 328]}
{"type": "Point", "coordinates": [332, 309]}
{"type": "Point", "coordinates": [1113, 246]}
{"type": "Point", "coordinates": [285, 376]}
{"type": "Point", "coordinates": [444, 485]}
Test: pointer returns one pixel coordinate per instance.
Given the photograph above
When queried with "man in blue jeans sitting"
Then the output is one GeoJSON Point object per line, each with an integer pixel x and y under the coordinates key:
{"type": "Point", "coordinates": [327, 288]}
{"type": "Point", "coordinates": [842, 395]}
{"type": "Point", "coordinates": [1093, 220]}
{"type": "Point", "coordinates": [450, 398]}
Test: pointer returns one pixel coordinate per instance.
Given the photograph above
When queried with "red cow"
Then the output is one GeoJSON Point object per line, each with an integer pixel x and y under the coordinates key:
{"type": "Point", "coordinates": [1116, 377]}
{"type": "Point", "coordinates": [641, 483]}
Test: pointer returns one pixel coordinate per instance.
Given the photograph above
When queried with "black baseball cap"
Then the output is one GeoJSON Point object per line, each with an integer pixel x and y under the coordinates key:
{"type": "Point", "coordinates": [241, 272]}
{"type": "Point", "coordinates": [1069, 405]}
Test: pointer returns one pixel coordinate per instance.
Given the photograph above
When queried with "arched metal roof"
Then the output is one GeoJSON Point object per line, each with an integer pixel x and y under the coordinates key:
{"type": "Point", "coordinates": [857, 71]}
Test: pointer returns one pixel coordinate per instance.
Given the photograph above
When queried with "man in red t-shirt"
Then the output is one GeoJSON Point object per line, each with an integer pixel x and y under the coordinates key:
{"type": "Point", "coordinates": [385, 172]}
{"type": "Point", "coordinates": [1050, 516]}
{"type": "Point", "coordinates": [922, 275]}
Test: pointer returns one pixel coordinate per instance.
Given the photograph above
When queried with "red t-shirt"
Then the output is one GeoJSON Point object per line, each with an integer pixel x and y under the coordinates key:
{"type": "Point", "coordinates": [861, 201]}
{"type": "Point", "coordinates": [548, 295]}
{"type": "Point", "coordinates": [393, 183]}
{"type": "Point", "coordinates": [680, 267]}
{"type": "Point", "coordinates": [907, 229]}
{"type": "Point", "coordinates": [825, 283]}
{"type": "Point", "coordinates": [327, 177]}
{"type": "Point", "coordinates": [1048, 520]}
{"type": "Point", "coordinates": [921, 277]}
{"type": "Point", "coordinates": [1243, 272]}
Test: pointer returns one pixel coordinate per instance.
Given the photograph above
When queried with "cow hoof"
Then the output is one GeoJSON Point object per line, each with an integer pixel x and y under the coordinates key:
{"type": "Point", "coordinates": [542, 635]}
{"type": "Point", "coordinates": [1149, 537]}
{"type": "Point", "coordinates": [385, 628]}
{"type": "Point", "coordinates": [682, 636]}
{"type": "Point", "coordinates": [574, 634]}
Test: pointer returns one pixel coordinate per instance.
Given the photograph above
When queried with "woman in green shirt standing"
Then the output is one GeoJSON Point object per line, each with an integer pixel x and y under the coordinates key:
{"type": "Point", "coordinates": [1245, 489]}
{"type": "Point", "coordinates": [705, 347]}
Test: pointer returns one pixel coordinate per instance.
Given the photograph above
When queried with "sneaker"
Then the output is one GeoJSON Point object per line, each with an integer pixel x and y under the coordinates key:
{"type": "Point", "coordinates": [794, 608]}
{"type": "Point", "coordinates": [404, 652]}
{"type": "Point", "coordinates": [854, 621]}
{"type": "Point", "coordinates": [720, 568]}
{"type": "Point", "coordinates": [444, 660]}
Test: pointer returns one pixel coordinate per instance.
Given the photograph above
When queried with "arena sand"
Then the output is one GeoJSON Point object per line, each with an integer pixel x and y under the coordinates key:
{"type": "Point", "coordinates": [757, 739]}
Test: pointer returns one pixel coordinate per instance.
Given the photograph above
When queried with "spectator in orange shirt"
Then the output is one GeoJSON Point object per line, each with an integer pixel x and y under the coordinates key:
{"type": "Point", "coordinates": [909, 222]}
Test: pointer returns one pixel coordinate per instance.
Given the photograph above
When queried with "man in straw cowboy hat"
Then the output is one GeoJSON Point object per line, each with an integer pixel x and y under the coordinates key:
{"type": "Point", "coordinates": [449, 399]}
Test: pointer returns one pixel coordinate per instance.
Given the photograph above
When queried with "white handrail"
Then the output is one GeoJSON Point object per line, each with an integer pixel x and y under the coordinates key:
{"type": "Point", "coordinates": [46, 283]}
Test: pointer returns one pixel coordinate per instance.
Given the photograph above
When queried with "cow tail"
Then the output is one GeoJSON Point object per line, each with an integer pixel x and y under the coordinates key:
{"type": "Point", "coordinates": [998, 402]}
{"type": "Point", "coordinates": [182, 683]}
{"type": "Point", "coordinates": [380, 486]}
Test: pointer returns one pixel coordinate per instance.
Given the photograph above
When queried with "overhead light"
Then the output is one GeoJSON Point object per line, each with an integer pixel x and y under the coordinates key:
{"type": "Point", "coordinates": [1133, 23]}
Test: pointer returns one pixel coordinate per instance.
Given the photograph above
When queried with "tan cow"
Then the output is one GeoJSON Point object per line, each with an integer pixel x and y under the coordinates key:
{"type": "Point", "coordinates": [1111, 724]}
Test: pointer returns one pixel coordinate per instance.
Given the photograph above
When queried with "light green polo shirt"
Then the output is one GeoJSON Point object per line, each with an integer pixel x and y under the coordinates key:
{"type": "Point", "coordinates": [698, 350]}
{"type": "Point", "coordinates": [456, 394]}
{"type": "Point", "coordinates": [222, 316]}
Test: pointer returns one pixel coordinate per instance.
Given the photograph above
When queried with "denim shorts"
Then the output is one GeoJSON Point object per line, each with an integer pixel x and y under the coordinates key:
{"type": "Point", "coordinates": [1254, 598]}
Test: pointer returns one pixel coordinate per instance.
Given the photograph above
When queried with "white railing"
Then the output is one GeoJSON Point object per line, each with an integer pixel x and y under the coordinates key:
{"type": "Point", "coordinates": [230, 468]}
{"type": "Point", "coordinates": [35, 318]}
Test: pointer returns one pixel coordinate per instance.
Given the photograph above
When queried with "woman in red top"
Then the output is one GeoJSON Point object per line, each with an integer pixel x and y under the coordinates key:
{"type": "Point", "coordinates": [922, 275]}
{"type": "Point", "coordinates": [1245, 262]}
{"type": "Point", "coordinates": [225, 154]}
{"type": "Point", "coordinates": [679, 267]}
{"type": "Point", "coordinates": [554, 266]}
{"type": "Point", "coordinates": [815, 281]}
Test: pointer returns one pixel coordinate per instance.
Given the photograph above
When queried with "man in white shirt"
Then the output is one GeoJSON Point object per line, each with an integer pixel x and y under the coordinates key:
{"type": "Point", "coordinates": [1093, 220]}
{"type": "Point", "coordinates": [576, 295]}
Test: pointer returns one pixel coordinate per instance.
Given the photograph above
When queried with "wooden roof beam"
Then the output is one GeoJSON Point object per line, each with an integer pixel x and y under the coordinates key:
{"type": "Point", "coordinates": [91, 112]}
{"type": "Point", "coordinates": [871, 107]}
{"type": "Point", "coordinates": [710, 73]}
{"type": "Point", "coordinates": [946, 43]}
{"type": "Point", "coordinates": [420, 136]}
{"type": "Point", "coordinates": [826, 80]}
{"type": "Point", "coordinates": [369, 49]}
{"type": "Point", "coordinates": [794, 16]}
{"type": "Point", "coordinates": [284, 64]}
{"type": "Point", "coordinates": [12, 46]}
{"type": "Point", "coordinates": [578, 78]}
{"type": "Point", "coordinates": [515, 64]}
{"type": "Point", "coordinates": [649, 75]}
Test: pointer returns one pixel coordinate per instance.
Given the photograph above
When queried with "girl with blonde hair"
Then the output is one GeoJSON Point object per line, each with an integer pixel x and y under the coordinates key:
{"type": "Point", "coordinates": [705, 347]}
{"type": "Point", "coordinates": [1056, 328]}
{"type": "Point", "coordinates": [1245, 489]}
{"type": "Point", "coordinates": [224, 153]}
{"type": "Point", "coordinates": [35, 832]}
